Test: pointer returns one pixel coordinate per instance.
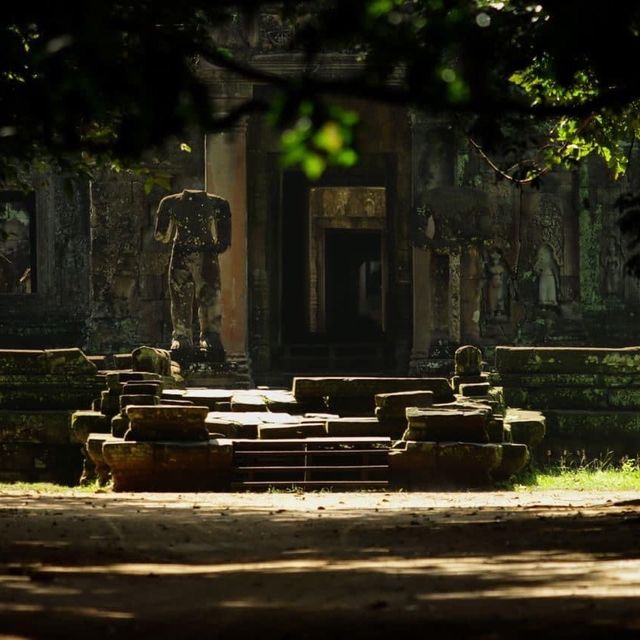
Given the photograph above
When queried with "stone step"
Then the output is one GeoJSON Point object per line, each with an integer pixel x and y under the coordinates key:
{"type": "Point", "coordinates": [312, 462]}
{"type": "Point", "coordinates": [446, 425]}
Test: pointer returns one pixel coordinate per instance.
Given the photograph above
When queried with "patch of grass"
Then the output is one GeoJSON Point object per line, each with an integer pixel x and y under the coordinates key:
{"type": "Point", "coordinates": [601, 474]}
{"type": "Point", "coordinates": [49, 487]}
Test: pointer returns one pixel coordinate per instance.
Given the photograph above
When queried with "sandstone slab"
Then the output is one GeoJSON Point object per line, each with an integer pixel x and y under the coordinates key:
{"type": "Point", "coordinates": [152, 466]}
{"type": "Point", "coordinates": [446, 425]}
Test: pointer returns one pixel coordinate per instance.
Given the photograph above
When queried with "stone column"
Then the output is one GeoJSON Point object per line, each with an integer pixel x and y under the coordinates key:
{"type": "Point", "coordinates": [454, 294]}
{"type": "Point", "coordinates": [422, 313]}
{"type": "Point", "coordinates": [432, 166]}
{"type": "Point", "coordinates": [226, 176]}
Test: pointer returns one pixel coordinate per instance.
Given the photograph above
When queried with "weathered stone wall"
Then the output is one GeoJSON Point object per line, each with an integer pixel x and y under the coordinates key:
{"type": "Point", "coordinates": [129, 281]}
{"type": "Point", "coordinates": [589, 396]}
{"type": "Point", "coordinates": [541, 265]}
{"type": "Point", "coordinates": [55, 314]}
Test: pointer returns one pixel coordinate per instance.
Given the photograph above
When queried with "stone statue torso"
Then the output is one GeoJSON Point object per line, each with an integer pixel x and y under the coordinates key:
{"type": "Point", "coordinates": [196, 221]}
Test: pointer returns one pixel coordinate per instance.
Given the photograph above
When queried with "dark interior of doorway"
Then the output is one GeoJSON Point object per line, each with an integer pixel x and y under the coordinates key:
{"type": "Point", "coordinates": [299, 350]}
{"type": "Point", "coordinates": [353, 285]}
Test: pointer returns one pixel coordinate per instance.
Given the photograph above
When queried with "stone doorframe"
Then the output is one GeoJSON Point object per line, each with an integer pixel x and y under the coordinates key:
{"type": "Point", "coordinates": [340, 208]}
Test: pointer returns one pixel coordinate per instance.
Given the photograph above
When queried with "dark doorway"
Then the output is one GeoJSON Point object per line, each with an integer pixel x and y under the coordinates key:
{"type": "Point", "coordinates": [354, 296]}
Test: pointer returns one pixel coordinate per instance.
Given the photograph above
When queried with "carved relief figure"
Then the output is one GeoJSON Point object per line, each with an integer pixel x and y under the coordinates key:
{"type": "Point", "coordinates": [548, 272]}
{"type": "Point", "coordinates": [612, 263]}
{"type": "Point", "coordinates": [199, 225]}
{"type": "Point", "coordinates": [498, 286]}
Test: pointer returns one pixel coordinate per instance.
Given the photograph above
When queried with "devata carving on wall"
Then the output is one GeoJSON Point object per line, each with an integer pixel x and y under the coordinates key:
{"type": "Point", "coordinates": [199, 224]}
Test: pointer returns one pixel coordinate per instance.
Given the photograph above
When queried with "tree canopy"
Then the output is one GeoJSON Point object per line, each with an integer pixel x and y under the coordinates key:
{"type": "Point", "coordinates": [88, 83]}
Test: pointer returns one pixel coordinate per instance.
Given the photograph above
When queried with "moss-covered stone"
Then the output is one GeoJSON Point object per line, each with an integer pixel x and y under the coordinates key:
{"type": "Point", "coordinates": [468, 361]}
{"type": "Point", "coordinates": [47, 394]}
{"type": "Point", "coordinates": [38, 427]}
{"type": "Point", "coordinates": [583, 360]}
{"type": "Point", "coordinates": [152, 360]}
{"type": "Point", "coordinates": [69, 361]}
{"type": "Point", "coordinates": [526, 427]}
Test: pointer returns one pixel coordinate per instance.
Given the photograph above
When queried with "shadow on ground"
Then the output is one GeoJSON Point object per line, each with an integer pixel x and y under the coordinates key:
{"type": "Point", "coordinates": [184, 566]}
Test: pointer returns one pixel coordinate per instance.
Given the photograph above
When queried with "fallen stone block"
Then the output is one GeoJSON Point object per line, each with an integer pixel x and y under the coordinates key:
{"type": "Point", "coordinates": [85, 422]}
{"type": "Point", "coordinates": [152, 360]}
{"type": "Point", "coordinates": [456, 381]}
{"type": "Point", "coordinates": [166, 415]}
{"type": "Point", "coordinates": [475, 389]}
{"type": "Point", "coordinates": [248, 401]}
{"type": "Point", "coordinates": [96, 467]}
{"type": "Point", "coordinates": [450, 425]}
{"type": "Point", "coordinates": [468, 361]}
{"type": "Point", "coordinates": [282, 401]}
{"type": "Point", "coordinates": [209, 397]}
{"type": "Point", "coordinates": [153, 466]}
{"type": "Point", "coordinates": [394, 405]}
{"type": "Point", "coordinates": [526, 427]}
{"type": "Point", "coordinates": [241, 424]}
{"type": "Point", "coordinates": [445, 464]}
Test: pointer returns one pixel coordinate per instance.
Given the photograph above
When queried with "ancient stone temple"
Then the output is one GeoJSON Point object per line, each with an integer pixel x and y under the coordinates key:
{"type": "Point", "coordinates": [385, 268]}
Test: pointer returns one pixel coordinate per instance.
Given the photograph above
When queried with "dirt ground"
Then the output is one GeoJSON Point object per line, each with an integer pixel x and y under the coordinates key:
{"type": "Point", "coordinates": [293, 566]}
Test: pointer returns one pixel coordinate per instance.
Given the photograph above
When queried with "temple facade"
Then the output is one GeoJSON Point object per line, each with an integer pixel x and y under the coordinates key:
{"type": "Point", "coordinates": [383, 268]}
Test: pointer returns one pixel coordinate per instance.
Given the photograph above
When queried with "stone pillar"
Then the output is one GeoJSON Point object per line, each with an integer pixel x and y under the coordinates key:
{"type": "Point", "coordinates": [432, 166]}
{"type": "Point", "coordinates": [422, 313]}
{"type": "Point", "coordinates": [455, 278]}
{"type": "Point", "coordinates": [226, 176]}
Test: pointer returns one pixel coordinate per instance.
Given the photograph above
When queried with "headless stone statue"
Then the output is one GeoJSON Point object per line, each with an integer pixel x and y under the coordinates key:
{"type": "Point", "coordinates": [199, 224]}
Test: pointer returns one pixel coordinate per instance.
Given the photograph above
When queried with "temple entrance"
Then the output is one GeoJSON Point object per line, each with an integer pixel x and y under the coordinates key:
{"type": "Point", "coordinates": [334, 282]}
{"type": "Point", "coordinates": [353, 305]}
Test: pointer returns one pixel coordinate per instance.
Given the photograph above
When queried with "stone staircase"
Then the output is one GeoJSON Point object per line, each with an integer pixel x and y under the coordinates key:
{"type": "Point", "coordinates": [312, 463]}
